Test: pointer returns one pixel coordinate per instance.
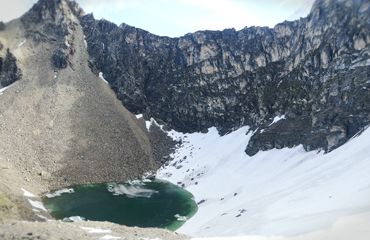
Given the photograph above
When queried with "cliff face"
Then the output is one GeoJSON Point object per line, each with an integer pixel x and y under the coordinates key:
{"type": "Point", "coordinates": [314, 71]}
{"type": "Point", "coordinates": [9, 71]}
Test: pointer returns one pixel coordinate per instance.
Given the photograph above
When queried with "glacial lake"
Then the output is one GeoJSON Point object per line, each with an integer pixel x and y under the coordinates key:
{"type": "Point", "coordinates": [138, 203]}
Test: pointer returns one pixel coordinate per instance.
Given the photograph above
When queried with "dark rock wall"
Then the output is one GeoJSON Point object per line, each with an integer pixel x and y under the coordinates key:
{"type": "Point", "coordinates": [9, 71]}
{"type": "Point", "coordinates": [315, 71]}
{"type": "Point", "coordinates": [2, 26]}
{"type": "Point", "coordinates": [51, 21]}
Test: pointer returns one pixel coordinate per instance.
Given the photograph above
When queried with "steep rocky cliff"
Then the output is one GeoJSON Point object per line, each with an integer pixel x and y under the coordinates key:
{"type": "Point", "coordinates": [9, 72]}
{"type": "Point", "coordinates": [313, 71]}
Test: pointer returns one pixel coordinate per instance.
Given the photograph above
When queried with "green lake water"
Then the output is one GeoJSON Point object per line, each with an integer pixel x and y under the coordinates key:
{"type": "Point", "coordinates": [143, 204]}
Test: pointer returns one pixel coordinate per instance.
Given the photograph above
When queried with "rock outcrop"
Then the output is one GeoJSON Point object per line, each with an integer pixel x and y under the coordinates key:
{"type": "Point", "coordinates": [51, 21]}
{"type": "Point", "coordinates": [9, 71]}
{"type": "Point", "coordinates": [314, 71]}
{"type": "Point", "coordinates": [2, 26]}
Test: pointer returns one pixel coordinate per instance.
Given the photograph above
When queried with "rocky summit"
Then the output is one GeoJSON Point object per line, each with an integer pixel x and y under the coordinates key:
{"type": "Point", "coordinates": [314, 71]}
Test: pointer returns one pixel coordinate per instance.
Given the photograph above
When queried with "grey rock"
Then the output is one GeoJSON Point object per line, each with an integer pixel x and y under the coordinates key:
{"type": "Point", "coordinates": [9, 71]}
{"type": "Point", "coordinates": [59, 59]}
{"type": "Point", "coordinates": [2, 26]}
{"type": "Point", "coordinates": [304, 69]}
{"type": "Point", "coordinates": [52, 21]}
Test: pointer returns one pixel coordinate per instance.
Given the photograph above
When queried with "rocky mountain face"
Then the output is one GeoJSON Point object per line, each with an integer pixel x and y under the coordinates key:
{"type": "Point", "coordinates": [9, 71]}
{"type": "Point", "coordinates": [313, 71]}
{"type": "Point", "coordinates": [51, 21]}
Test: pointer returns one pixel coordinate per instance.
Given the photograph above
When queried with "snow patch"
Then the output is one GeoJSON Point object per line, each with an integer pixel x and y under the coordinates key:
{"type": "Point", "coordinates": [28, 194]}
{"type": "Point", "coordinates": [109, 237]}
{"type": "Point", "coordinates": [2, 90]}
{"type": "Point", "coordinates": [60, 192]}
{"type": "Point", "coordinates": [136, 182]}
{"type": "Point", "coordinates": [74, 219]}
{"type": "Point", "coordinates": [148, 124]}
{"type": "Point", "coordinates": [152, 121]}
{"type": "Point", "coordinates": [277, 119]}
{"type": "Point", "coordinates": [237, 238]}
{"type": "Point", "coordinates": [42, 217]}
{"type": "Point", "coordinates": [242, 238]}
{"type": "Point", "coordinates": [130, 191]}
{"type": "Point", "coordinates": [96, 230]}
{"type": "Point", "coordinates": [102, 78]}
{"type": "Point", "coordinates": [145, 238]}
{"type": "Point", "coordinates": [181, 218]}
{"type": "Point", "coordinates": [85, 42]}
{"type": "Point", "coordinates": [37, 204]}
{"type": "Point", "coordinates": [138, 116]}
{"type": "Point", "coordinates": [273, 193]}
{"type": "Point", "coordinates": [22, 43]}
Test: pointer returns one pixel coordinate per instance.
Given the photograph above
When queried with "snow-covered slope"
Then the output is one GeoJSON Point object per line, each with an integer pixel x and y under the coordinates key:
{"type": "Point", "coordinates": [274, 193]}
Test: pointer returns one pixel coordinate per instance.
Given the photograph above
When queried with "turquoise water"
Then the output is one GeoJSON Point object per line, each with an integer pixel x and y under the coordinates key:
{"type": "Point", "coordinates": [143, 204]}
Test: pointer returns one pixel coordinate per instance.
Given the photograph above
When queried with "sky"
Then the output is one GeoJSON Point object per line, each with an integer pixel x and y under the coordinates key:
{"type": "Point", "coordinates": [177, 17]}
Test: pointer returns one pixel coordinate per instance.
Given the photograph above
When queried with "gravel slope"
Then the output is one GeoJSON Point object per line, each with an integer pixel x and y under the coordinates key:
{"type": "Point", "coordinates": [56, 230]}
